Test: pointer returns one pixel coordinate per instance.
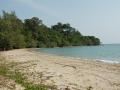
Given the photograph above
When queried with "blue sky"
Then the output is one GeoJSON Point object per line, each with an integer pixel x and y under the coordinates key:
{"type": "Point", "coordinates": [100, 18]}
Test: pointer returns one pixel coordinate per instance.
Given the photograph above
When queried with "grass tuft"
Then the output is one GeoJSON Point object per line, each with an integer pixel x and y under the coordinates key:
{"type": "Point", "coordinates": [18, 77]}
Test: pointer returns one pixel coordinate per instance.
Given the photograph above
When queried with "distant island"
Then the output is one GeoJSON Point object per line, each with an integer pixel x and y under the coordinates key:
{"type": "Point", "coordinates": [32, 33]}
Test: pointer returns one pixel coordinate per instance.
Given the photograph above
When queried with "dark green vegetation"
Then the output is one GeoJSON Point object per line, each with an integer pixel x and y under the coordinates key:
{"type": "Point", "coordinates": [32, 33]}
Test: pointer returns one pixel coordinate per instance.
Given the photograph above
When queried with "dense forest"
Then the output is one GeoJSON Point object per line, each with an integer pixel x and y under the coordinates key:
{"type": "Point", "coordinates": [32, 33]}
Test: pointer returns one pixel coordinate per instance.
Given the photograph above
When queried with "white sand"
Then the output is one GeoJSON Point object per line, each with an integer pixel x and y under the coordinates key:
{"type": "Point", "coordinates": [62, 72]}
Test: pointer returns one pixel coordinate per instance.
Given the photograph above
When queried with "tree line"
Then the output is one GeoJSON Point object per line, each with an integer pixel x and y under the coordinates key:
{"type": "Point", "coordinates": [32, 33]}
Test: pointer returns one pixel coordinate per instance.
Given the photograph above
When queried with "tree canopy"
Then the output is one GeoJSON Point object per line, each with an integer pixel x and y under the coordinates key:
{"type": "Point", "coordinates": [15, 34]}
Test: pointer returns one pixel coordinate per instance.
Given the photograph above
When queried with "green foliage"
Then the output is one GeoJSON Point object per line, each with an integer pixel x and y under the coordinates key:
{"type": "Point", "coordinates": [3, 70]}
{"type": "Point", "coordinates": [32, 32]}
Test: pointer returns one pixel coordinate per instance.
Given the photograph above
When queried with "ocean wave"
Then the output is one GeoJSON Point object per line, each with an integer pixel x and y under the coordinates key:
{"type": "Point", "coordinates": [109, 61]}
{"type": "Point", "coordinates": [102, 60]}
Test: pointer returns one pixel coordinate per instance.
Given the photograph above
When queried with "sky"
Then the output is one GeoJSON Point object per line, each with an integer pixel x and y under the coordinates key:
{"type": "Point", "coordinates": [100, 18]}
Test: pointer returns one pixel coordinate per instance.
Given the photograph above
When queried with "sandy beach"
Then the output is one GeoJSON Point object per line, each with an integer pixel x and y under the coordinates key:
{"type": "Point", "coordinates": [62, 72]}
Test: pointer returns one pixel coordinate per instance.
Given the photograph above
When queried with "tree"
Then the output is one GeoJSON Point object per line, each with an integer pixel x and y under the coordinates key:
{"type": "Point", "coordinates": [32, 32]}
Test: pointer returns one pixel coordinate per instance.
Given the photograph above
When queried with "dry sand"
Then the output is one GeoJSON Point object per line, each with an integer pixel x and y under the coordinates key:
{"type": "Point", "coordinates": [41, 68]}
{"type": "Point", "coordinates": [8, 84]}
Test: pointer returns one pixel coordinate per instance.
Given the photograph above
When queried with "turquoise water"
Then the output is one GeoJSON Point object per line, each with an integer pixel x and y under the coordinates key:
{"type": "Point", "coordinates": [107, 53]}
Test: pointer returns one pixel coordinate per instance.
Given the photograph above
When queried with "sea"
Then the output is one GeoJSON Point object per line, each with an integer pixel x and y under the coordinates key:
{"type": "Point", "coordinates": [106, 52]}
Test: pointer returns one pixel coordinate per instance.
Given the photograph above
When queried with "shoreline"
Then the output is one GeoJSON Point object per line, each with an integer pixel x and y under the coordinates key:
{"type": "Point", "coordinates": [77, 58]}
{"type": "Point", "coordinates": [62, 72]}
